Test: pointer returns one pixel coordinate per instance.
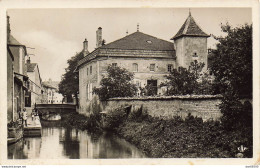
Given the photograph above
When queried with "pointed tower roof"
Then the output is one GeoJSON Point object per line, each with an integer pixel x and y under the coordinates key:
{"type": "Point", "coordinates": [190, 28]}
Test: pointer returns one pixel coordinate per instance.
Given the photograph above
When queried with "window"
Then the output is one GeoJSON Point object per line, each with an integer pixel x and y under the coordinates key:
{"type": "Point", "coordinates": [135, 67]}
{"type": "Point", "coordinates": [90, 70]}
{"type": "Point", "coordinates": [87, 92]}
{"type": "Point", "coordinates": [170, 67]}
{"type": "Point", "coordinates": [87, 71]}
{"type": "Point", "coordinates": [152, 67]}
{"type": "Point", "coordinates": [114, 64]}
{"type": "Point", "coordinates": [195, 55]}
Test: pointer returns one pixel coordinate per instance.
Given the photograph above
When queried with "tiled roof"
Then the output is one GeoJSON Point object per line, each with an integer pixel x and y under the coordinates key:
{"type": "Point", "coordinates": [140, 41]}
{"type": "Point", "coordinates": [31, 67]}
{"type": "Point", "coordinates": [190, 28]}
{"type": "Point", "coordinates": [13, 41]}
{"type": "Point", "coordinates": [51, 84]}
{"type": "Point", "coordinates": [136, 44]}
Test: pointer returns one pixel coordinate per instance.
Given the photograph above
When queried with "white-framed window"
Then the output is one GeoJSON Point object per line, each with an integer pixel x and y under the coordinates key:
{"type": "Point", "coordinates": [135, 67]}
{"type": "Point", "coordinates": [152, 67]}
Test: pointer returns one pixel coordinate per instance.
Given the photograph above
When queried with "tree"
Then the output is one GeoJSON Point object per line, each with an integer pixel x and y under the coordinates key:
{"type": "Point", "coordinates": [232, 68]}
{"type": "Point", "coordinates": [232, 61]}
{"type": "Point", "coordinates": [117, 83]}
{"type": "Point", "coordinates": [69, 84]}
{"type": "Point", "coordinates": [180, 82]}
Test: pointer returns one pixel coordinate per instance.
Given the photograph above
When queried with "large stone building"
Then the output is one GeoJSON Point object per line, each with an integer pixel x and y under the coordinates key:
{"type": "Point", "coordinates": [150, 58]}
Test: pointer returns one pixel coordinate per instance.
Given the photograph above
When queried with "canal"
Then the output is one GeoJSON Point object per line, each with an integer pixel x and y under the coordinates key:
{"type": "Point", "coordinates": [67, 143]}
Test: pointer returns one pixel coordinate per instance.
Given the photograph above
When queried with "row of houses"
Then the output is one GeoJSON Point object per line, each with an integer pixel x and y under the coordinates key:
{"type": "Point", "coordinates": [148, 57]}
{"type": "Point", "coordinates": [25, 87]}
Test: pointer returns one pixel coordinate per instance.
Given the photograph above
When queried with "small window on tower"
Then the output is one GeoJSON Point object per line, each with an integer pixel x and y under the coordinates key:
{"type": "Point", "coordinates": [87, 71]}
{"type": "Point", "coordinates": [195, 55]}
{"type": "Point", "coordinates": [90, 70]}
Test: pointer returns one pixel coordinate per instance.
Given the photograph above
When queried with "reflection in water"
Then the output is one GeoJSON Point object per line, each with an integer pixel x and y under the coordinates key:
{"type": "Point", "coordinates": [57, 143]}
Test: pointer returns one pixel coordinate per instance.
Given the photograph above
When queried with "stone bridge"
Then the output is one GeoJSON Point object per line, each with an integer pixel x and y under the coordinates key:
{"type": "Point", "coordinates": [55, 108]}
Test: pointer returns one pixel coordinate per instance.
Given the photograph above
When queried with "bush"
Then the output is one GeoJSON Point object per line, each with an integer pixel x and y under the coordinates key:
{"type": "Point", "coordinates": [184, 138]}
{"type": "Point", "coordinates": [114, 117]}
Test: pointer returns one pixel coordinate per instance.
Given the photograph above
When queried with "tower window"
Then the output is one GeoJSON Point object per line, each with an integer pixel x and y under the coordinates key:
{"type": "Point", "coordinates": [135, 67]}
{"type": "Point", "coordinates": [170, 67]}
{"type": "Point", "coordinates": [90, 70]}
{"type": "Point", "coordinates": [152, 67]}
{"type": "Point", "coordinates": [195, 55]}
{"type": "Point", "coordinates": [87, 71]}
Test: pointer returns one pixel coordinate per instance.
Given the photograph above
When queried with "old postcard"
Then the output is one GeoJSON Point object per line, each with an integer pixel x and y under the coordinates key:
{"type": "Point", "coordinates": [154, 82]}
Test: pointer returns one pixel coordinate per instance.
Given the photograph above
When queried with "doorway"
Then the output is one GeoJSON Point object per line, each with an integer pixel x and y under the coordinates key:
{"type": "Point", "coordinates": [151, 87]}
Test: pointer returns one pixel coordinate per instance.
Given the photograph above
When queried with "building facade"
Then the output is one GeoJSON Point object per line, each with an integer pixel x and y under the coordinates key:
{"type": "Point", "coordinates": [17, 78]}
{"type": "Point", "coordinates": [51, 90]}
{"type": "Point", "coordinates": [150, 58]}
{"type": "Point", "coordinates": [34, 94]}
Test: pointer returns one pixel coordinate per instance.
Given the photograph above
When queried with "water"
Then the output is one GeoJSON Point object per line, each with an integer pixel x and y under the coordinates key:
{"type": "Point", "coordinates": [64, 143]}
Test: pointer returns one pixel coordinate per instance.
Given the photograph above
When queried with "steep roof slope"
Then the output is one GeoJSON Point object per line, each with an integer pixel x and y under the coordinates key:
{"type": "Point", "coordinates": [190, 28]}
{"type": "Point", "coordinates": [140, 41]}
{"type": "Point", "coordinates": [31, 66]}
{"type": "Point", "coordinates": [13, 41]}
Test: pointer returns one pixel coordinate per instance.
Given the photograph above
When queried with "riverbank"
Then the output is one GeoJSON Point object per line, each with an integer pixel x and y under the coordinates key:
{"type": "Point", "coordinates": [177, 137]}
{"type": "Point", "coordinates": [166, 138]}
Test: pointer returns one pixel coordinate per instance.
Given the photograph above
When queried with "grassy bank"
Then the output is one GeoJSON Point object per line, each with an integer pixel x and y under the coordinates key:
{"type": "Point", "coordinates": [177, 138]}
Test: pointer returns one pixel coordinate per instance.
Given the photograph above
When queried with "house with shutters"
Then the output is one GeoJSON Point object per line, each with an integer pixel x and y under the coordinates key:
{"type": "Point", "coordinates": [149, 57]}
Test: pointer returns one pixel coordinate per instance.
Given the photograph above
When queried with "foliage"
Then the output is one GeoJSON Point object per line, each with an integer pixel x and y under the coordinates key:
{"type": "Point", "coordinates": [75, 120]}
{"type": "Point", "coordinates": [178, 138]}
{"type": "Point", "coordinates": [13, 124]}
{"type": "Point", "coordinates": [69, 84]}
{"type": "Point", "coordinates": [196, 67]}
{"type": "Point", "coordinates": [180, 82]}
{"type": "Point", "coordinates": [148, 90]}
{"type": "Point", "coordinates": [232, 61]}
{"type": "Point", "coordinates": [232, 68]}
{"type": "Point", "coordinates": [117, 83]}
{"type": "Point", "coordinates": [205, 85]}
{"type": "Point", "coordinates": [114, 117]}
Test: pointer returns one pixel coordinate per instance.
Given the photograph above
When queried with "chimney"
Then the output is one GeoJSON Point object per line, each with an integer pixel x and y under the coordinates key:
{"type": "Point", "coordinates": [99, 37]}
{"type": "Point", "coordinates": [8, 29]}
{"type": "Point", "coordinates": [85, 47]}
{"type": "Point", "coordinates": [28, 60]}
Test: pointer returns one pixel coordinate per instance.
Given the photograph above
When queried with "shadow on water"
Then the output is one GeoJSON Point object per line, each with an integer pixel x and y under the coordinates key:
{"type": "Point", "coordinates": [60, 142]}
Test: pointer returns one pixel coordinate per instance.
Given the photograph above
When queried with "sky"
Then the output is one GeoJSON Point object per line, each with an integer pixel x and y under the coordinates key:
{"type": "Point", "coordinates": [58, 34]}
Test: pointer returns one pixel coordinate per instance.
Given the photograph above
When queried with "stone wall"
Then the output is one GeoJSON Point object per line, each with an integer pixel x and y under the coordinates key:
{"type": "Point", "coordinates": [204, 106]}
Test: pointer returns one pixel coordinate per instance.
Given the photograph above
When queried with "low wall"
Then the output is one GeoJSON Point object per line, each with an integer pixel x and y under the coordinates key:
{"type": "Point", "coordinates": [204, 106]}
